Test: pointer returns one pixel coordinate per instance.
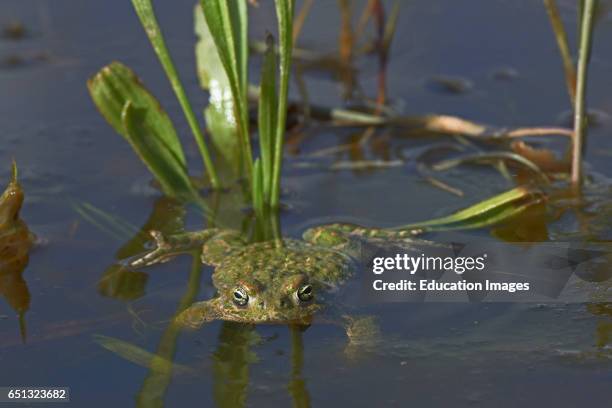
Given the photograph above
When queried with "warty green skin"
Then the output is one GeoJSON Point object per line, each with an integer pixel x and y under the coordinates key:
{"type": "Point", "coordinates": [271, 274]}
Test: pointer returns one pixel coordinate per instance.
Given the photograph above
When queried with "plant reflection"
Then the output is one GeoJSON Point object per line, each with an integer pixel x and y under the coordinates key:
{"type": "Point", "coordinates": [231, 363]}
{"type": "Point", "coordinates": [155, 385]}
{"type": "Point", "coordinates": [603, 333]}
{"type": "Point", "coordinates": [15, 243]}
{"type": "Point", "coordinates": [297, 386]}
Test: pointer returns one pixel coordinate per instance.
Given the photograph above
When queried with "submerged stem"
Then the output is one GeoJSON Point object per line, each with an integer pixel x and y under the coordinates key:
{"type": "Point", "coordinates": [580, 105]}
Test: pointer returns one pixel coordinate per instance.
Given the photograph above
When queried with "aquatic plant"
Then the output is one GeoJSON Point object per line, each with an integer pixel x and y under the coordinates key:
{"type": "Point", "coordinates": [589, 12]}
{"type": "Point", "coordinates": [135, 113]}
{"type": "Point", "coordinates": [228, 25]}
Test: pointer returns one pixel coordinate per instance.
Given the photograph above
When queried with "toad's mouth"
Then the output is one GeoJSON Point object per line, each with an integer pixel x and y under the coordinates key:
{"type": "Point", "coordinates": [299, 316]}
{"type": "Point", "coordinates": [203, 312]}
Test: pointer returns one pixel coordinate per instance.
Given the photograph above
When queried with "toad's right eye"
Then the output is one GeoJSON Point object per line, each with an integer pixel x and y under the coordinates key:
{"type": "Point", "coordinates": [241, 298]}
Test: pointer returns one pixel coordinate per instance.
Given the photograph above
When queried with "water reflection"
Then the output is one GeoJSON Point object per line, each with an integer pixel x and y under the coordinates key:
{"type": "Point", "coordinates": [603, 334]}
{"type": "Point", "coordinates": [155, 385]}
{"type": "Point", "coordinates": [123, 283]}
{"type": "Point", "coordinates": [15, 243]}
{"type": "Point", "coordinates": [297, 386]}
{"type": "Point", "coordinates": [231, 363]}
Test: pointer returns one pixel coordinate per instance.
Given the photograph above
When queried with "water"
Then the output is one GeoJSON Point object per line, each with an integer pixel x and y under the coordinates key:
{"type": "Point", "coordinates": [432, 355]}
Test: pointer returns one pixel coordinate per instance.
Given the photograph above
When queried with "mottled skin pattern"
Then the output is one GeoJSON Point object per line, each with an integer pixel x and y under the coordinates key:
{"type": "Point", "coordinates": [283, 281]}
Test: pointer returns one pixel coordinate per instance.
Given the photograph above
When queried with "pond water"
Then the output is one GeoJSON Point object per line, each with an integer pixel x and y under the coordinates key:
{"type": "Point", "coordinates": [432, 354]}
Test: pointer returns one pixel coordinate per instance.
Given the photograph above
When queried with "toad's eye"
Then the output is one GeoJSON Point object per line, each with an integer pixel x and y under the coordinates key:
{"type": "Point", "coordinates": [240, 297]}
{"type": "Point", "coordinates": [304, 293]}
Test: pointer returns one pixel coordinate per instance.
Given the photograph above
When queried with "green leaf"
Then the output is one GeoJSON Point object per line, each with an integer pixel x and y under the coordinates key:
{"type": "Point", "coordinates": [284, 14]}
{"type": "Point", "coordinates": [258, 199]}
{"type": "Point", "coordinates": [488, 212]}
{"type": "Point", "coordinates": [228, 25]}
{"type": "Point", "coordinates": [220, 112]}
{"type": "Point", "coordinates": [135, 114]}
{"type": "Point", "coordinates": [267, 116]}
{"type": "Point", "coordinates": [145, 12]}
{"type": "Point", "coordinates": [150, 145]}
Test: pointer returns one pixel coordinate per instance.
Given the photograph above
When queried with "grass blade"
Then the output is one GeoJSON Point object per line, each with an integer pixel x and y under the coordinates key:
{"type": "Point", "coordinates": [588, 9]}
{"type": "Point", "coordinates": [563, 45]}
{"type": "Point", "coordinates": [284, 14]}
{"type": "Point", "coordinates": [488, 212]}
{"type": "Point", "coordinates": [267, 117]}
{"type": "Point", "coordinates": [258, 199]}
{"type": "Point", "coordinates": [144, 9]}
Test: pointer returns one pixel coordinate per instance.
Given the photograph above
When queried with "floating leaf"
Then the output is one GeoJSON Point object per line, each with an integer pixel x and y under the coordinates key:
{"type": "Point", "coordinates": [135, 114]}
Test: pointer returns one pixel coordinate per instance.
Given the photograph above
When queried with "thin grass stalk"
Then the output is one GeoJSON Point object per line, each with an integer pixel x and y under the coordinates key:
{"type": "Point", "coordinates": [586, 31]}
{"type": "Point", "coordinates": [145, 12]}
{"type": "Point", "coordinates": [301, 18]}
{"type": "Point", "coordinates": [345, 40]}
{"type": "Point", "coordinates": [563, 45]}
{"type": "Point", "coordinates": [267, 118]}
{"type": "Point", "coordinates": [284, 12]}
{"type": "Point", "coordinates": [258, 198]}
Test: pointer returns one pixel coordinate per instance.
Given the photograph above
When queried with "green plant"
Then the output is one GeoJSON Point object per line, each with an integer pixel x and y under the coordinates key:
{"type": "Point", "coordinates": [136, 115]}
{"type": "Point", "coordinates": [144, 9]}
{"type": "Point", "coordinates": [587, 21]}
{"type": "Point", "coordinates": [222, 55]}
{"type": "Point", "coordinates": [228, 25]}
{"type": "Point", "coordinates": [589, 13]}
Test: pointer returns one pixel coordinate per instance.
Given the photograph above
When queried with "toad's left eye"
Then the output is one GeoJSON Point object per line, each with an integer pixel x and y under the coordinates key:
{"type": "Point", "coordinates": [305, 293]}
{"type": "Point", "coordinates": [241, 298]}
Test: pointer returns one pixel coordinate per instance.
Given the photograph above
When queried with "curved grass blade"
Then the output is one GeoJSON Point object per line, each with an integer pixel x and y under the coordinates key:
{"type": "Point", "coordinates": [145, 12]}
{"type": "Point", "coordinates": [492, 156]}
{"type": "Point", "coordinates": [488, 212]}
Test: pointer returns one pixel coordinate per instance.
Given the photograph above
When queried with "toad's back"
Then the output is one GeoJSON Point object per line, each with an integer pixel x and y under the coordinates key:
{"type": "Point", "coordinates": [270, 261]}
